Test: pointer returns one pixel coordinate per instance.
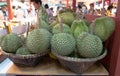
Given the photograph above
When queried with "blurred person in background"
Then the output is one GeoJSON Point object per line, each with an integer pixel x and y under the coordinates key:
{"type": "Point", "coordinates": [1, 14]}
{"type": "Point", "coordinates": [33, 11]}
{"type": "Point", "coordinates": [57, 10]}
{"type": "Point", "coordinates": [49, 12]}
{"type": "Point", "coordinates": [41, 13]}
{"type": "Point", "coordinates": [114, 10]}
{"type": "Point", "coordinates": [84, 9]}
{"type": "Point", "coordinates": [91, 11]}
{"type": "Point", "coordinates": [5, 12]}
{"type": "Point", "coordinates": [14, 10]}
{"type": "Point", "coordinates": [109, 11]}
{"type": "Point", "coordinates": [103, 12]}
{"type": "Point", "coordinates": [52, 9]}
{"type": "Point", "coordinates": [19, 13]}
{"type": "Point", "coordinates": [79, 12]}
{"type": "Point", "coordinates": [98, 12]}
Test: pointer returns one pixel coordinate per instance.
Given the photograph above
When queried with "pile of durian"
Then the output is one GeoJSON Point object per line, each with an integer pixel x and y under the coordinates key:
{"type": "Point", "coordinates": [66, 36]}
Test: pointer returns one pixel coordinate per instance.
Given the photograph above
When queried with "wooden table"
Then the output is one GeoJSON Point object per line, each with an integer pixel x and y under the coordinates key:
{"type": "Point", "coordinates": [52, 67]}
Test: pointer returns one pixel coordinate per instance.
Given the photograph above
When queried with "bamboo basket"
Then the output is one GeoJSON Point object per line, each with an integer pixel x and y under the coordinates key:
{"type": "Point", "coordinates": [78, 65]}
{"type": "Point", "coordinates": [25, 60]}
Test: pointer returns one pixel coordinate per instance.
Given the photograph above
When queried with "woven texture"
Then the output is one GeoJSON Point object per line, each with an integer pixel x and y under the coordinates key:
{"type": "Point", "coordinates": [78, 65]}
{"type": "Point", "coordinates": [25, 60]}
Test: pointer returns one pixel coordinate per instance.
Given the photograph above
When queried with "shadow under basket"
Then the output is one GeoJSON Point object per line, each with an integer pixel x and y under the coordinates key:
{"type": "Point", "coordinates": [78, 65]}
{"type": "Point", "coordinates": [25, 60]}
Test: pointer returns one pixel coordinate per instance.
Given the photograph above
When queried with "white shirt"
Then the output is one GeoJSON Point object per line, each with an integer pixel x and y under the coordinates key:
{"type": "Point", "coordinates": [19, 13]}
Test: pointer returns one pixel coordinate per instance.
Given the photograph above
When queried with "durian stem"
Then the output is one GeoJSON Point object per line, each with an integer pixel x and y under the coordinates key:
{"type": "Point", "coordinates": [6, 27]}
{"type": "Point", "coordinates": [92, 27]}
{"type": "Point", "coordinates": [39, 22]}
{"type": "Point", "coordinates": [28, 28]}
{"type": "Point", "coordinates": [60, 22]}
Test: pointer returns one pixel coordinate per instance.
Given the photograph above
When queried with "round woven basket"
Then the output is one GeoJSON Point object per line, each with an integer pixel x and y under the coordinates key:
{"type": "Point", "coordinates": [25, 60]}
{"type": "Point", "coordinates": [78, 65]}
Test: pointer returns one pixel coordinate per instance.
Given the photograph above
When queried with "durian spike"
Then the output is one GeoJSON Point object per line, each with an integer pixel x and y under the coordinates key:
{"type": "Point", "coordinates": [6, 27]}
{"type": "Point", "coordinates": [92, 27]}
{"type": "Point", "coordinates": [60, 22]}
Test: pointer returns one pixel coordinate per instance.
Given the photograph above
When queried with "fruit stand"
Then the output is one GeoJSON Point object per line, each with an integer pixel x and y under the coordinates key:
{"type": "Point", "coordinates": [50, 66]}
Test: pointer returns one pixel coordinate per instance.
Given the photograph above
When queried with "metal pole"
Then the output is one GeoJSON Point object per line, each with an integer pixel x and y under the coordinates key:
{"type": "Point", "coordinates": [67, 4]}
{"type": "Point", "coordinates": [74, 5]}
{"type": "Point", "coordinates": [10, 13]}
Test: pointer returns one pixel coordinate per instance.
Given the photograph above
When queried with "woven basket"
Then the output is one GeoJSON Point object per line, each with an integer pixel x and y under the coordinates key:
{"type": "Point", "coordinates": [78, 65]}
{"type": "Point", "coordinates": [25, 60]}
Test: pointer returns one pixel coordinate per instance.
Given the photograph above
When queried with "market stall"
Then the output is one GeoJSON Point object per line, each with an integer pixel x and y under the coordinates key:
{"type": "Point", "coordinates": [52, 67]}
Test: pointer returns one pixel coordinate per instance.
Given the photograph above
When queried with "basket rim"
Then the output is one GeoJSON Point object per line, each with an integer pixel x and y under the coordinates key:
{"type": "Point", "coordinates": [81, 59]}
{"type": "Point", "coordinates": [24, 56]}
